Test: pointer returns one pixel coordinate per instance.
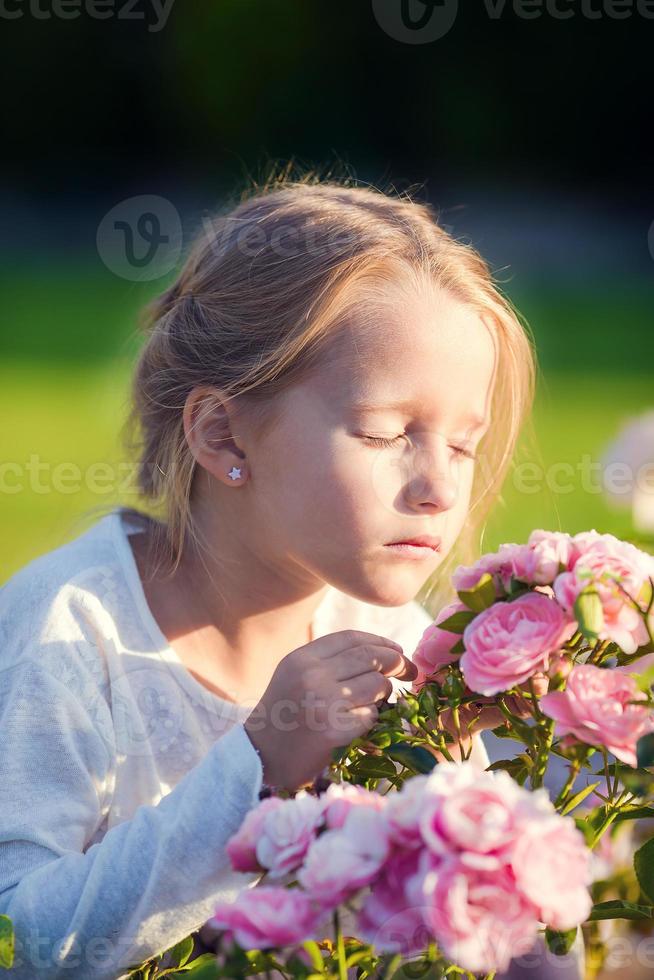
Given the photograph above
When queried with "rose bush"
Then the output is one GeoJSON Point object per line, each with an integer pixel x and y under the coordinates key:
{"type": "Point", "coordinates": [430, 858]}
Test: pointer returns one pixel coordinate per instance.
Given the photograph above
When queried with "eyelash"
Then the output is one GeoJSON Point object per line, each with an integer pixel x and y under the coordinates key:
{"type": "Point", "coordinates": [390, 443]}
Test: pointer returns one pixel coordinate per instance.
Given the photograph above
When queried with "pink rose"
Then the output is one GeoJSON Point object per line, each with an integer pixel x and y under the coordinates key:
{"type": "Point", "coordinates": [541, 560]}
{"type": "Point", "coordinates": [510, 641]}
{"type": "Point", "coordinates": [602, 561]}
{"type": "Point", "coordinates": [403, 813]}
{"type": "Point", "coordinates": [341, 861]}
{"type": "Point", "coordinates": [241, 847]}
{"type": "Point", "coordinates": [473, 812]}
{"type": "Point", "coordinates": [432, 654]}
{"type": "Point", "coordinates": [537, 563]}
{"type": "Point", "coordinates": [339, 799]}
{"type": "Point", "coordinates": [265, 917]}
{"type": "Point", "coordinates": [388, 918]}
{"type": "Point", "coordinates": [286, 833]}
{"type": "Point", "coordinates": [480, 919]}
{"type": "Point", "coordinates": [552, 867]}
{"type": "Point", "coordinates": [595, 709]}
{"type": "Point", "coordinates": [497, 564]}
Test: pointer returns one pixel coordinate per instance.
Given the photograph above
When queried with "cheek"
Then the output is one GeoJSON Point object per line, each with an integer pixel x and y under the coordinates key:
{"type": "Point", "coordinates": [454, 520]}
{"type": "Point", "coordinates": [346, 490]}
{"type": "Point", "coordinates": [318, 484]}
{"type": "Point", "coordinates": [466, 480]}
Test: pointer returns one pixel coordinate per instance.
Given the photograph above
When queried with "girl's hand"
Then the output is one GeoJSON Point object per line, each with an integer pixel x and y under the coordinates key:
{"type": "Point", "coordinates": [320, 697]}
{"type": "Point", "coordinates": [484, 714]}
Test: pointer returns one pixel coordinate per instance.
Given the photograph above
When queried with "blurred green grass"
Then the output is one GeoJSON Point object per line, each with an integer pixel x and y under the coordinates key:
{"type": "Point", "coordinates": [71, 338]}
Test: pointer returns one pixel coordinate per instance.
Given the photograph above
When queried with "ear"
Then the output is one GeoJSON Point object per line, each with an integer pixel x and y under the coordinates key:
{"type": "Point", "coordinates": [208, 419]}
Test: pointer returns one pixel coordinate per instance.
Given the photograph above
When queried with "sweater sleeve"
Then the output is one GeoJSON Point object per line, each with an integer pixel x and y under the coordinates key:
{"type": "Point", "coordinates": [90, 912]}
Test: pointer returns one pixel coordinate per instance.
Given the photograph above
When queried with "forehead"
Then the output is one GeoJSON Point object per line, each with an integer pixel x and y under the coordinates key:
{"type": "Point", "coordinates": [429, 355]}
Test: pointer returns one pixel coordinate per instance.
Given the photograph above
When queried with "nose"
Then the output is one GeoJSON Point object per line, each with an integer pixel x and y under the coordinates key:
{"type": "Point", "coordinates": [433, 479]}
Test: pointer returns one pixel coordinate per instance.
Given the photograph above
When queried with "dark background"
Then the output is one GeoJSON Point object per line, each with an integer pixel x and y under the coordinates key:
{"type": "Point", "coordinates": [92, 105]}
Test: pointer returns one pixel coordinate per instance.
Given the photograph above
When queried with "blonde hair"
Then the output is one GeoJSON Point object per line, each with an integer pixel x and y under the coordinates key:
{"type": "Point", "coordinates": [255, 306]}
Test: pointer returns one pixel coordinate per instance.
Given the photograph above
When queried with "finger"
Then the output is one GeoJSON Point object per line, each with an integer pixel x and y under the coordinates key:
{"type": "Point", "coordinates": [541, 684]}
{"type": "Point", "coordinates": [335, 643]}
{"type": "Point", "coordinates": [366, 689]}
{"type": "Point", "coordinates": [519, 706]}
{"type": "Point", "coordinates": [353, 722]}
{"type": "Point", "coordinates": [489, 718]}
{"type": "Point", "coordinates": [407, 672]}
{"type": "Point", "coordinates": [363, 717]}
{"type": "Point", "coordinates": [361, 660]}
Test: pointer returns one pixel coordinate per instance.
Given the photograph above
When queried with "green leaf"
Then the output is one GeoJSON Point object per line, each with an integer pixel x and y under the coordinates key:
{"type": "Point", "coordinates": [620, 909]}
{"type": "Point", "coordinates": [560, 943]}
{"type": "Point", "coordinates": [589, 613]}
{"type": "Point", "coordinates": [428, 700]}
{"type": "Point", "coordinates": [414, 757]}
{"type": "Point", "coordinates": [644, 868]}
{"type": "Point", "coordinates": [358, 957]}
{"type": "Point", "coordinates": [7, 940]}
{"type": "Point", "coordinates": [339, 753]}
{"type": "Point", "coordinates": [374, 767]}
{"type": "Point", "coordinates": [506, 765]}
{"type": "Point", "coordinates": [381, 739]}
{"type": "Point", "coordinates": [596, 818]}
{"type": "Point", "coordinates": [180, 952]}
{"type": "Point", "coordinates": [579, 797]}
{"type": "Point", "coordinates": [645, 751]}
{"type": "Point", "coordinates": [205, 967]}
{"type": "Point", "coordinates": [457, 622]}
{"type": "Point", "coordinates": [313, 949]}
{"type": "Point", "coordinates": [590, 823]}
{"type": "Point", "coordinates": [636, 813]}
{"type": "Point", "coordinates": [453, 688]}
{"type": "Point", "coordinates": [503, 731]}
{"type": "Point", "coordinates": [515, 768]}
{"type": "Point", "coordinates": [644, 679]}
{"type": "Point", "coordinates": [260, 961]}
{"type": "Point", "coordinates": [639, 782]}
{"type": "Point", "coordinates": [481, 596]}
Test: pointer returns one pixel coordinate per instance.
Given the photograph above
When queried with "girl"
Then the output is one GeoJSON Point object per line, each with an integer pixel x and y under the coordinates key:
{"type": "Point", "coordinates": [330, 374]}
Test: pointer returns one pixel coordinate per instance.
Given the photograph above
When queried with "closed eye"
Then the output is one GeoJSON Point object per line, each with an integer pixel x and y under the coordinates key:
{"type": "Point", "coordinates": [389, 443]}
{"type": "Point", "coordinates": [381, 441]}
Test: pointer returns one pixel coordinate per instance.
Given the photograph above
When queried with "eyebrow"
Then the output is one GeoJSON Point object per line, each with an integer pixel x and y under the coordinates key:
{"type": "Point", "coordinates": [476, 421]}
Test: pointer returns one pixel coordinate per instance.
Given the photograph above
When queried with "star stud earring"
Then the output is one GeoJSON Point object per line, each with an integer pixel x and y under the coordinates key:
{"type": "Point", "coordinates": [234, 473]}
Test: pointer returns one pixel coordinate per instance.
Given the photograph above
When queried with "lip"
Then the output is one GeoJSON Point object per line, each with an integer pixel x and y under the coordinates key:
{"type": "Point", "coordinates": [421, 541]}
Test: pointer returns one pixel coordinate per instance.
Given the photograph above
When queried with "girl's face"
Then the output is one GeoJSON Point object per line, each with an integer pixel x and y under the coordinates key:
{"type": "Point", "coordinates": [328, 498]}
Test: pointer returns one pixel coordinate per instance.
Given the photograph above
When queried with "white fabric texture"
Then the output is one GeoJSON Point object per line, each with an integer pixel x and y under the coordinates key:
{"type": "Point", "coordinates": [121, 776]}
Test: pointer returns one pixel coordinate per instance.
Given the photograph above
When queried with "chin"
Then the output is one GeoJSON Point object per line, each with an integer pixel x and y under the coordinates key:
{"type": "Point", "coordinates": [396, 592]}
